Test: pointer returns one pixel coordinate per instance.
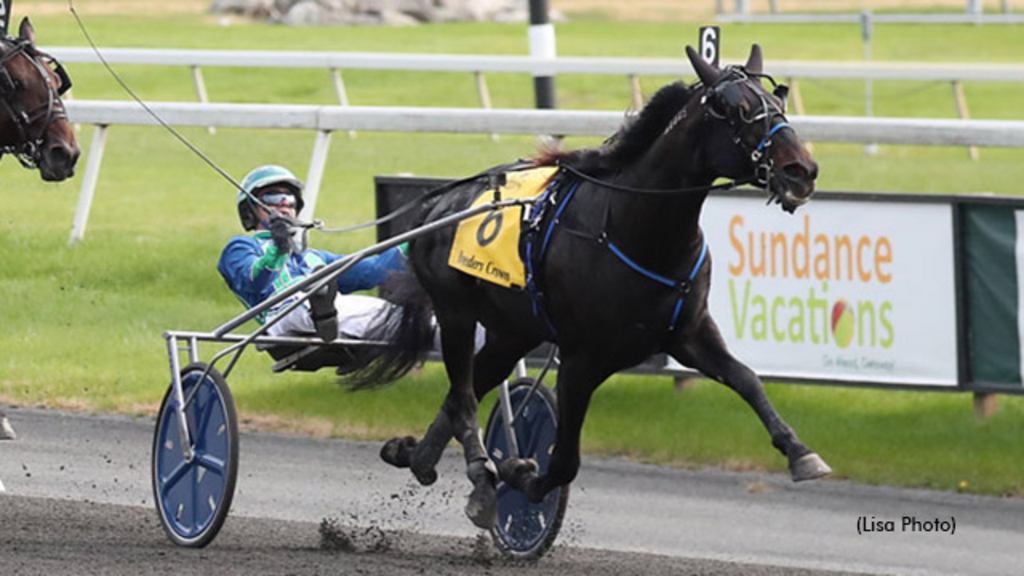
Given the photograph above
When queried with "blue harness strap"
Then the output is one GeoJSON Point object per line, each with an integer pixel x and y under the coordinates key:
{"type": "Point", "coordinates": [682, 286]}
{"type": "Point", "coordinates": [533, 254]}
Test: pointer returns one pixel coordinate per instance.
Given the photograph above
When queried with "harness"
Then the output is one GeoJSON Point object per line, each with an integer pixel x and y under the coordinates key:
{"type": "Point", "coordinates": [28, 149]}
{"type": "Point", "coordinates": [541, 225]}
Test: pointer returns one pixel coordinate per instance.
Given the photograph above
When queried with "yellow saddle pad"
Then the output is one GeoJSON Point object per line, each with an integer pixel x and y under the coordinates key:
{"type": "Point", "coordinates": [487, 245]}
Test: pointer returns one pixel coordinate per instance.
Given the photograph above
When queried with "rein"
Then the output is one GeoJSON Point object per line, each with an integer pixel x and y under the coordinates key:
{"type": "Point", "coordinates": [666, 191]}
{"type": "Point", "coordinates": [495, 180]}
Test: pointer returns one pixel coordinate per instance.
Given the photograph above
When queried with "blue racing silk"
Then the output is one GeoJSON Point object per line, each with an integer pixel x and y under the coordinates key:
{"type": "Point", "coordinates": [254, 271]}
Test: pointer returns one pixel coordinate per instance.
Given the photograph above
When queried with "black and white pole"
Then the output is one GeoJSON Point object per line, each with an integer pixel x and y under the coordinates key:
{"type": "Point", "coordinates": [5, 15]}
{"type": "Point", "coordinates": [542, 45]}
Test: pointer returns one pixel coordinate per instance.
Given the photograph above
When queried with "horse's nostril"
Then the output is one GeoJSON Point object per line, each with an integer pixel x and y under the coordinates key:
{"type": "Point", "coordinates": [60, 155]}
{"type": "Point", "coordinates": [795, 170]}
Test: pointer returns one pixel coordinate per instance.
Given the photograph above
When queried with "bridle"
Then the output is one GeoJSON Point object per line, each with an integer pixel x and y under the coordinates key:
{"type": "Point", "coordinates": [726, 93]}
{"type": "Point", "coordinates": [725, 87]}
{"type": "Point", "coordinates": [28, 148]}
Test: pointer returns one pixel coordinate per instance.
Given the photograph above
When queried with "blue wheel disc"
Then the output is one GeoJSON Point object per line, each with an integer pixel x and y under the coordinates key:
{"type": "Point", "coordinates": [525, 529]}
{"type": "Point", "coordinates": [193, 496]}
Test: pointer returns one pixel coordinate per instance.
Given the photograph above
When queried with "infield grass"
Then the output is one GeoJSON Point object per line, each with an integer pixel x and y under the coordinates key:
{"type": "Point", "coordinates": [82, 326]}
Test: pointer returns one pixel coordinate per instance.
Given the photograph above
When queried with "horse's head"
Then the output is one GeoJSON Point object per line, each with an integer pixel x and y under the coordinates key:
{"type": "Point", "coordinates": [33, 123]}
{"type": "Point", "coordinates": [749, 134]}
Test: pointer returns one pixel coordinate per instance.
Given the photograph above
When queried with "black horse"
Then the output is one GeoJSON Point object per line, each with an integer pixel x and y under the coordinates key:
{"type": "Point", "coordinates": [33, 123]}
{"type": "Point", "coordinates": [619, 271]}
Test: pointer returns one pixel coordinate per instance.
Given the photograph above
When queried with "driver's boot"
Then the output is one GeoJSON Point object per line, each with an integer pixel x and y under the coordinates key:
{"type": "Point", "coordinates": [323, 312]}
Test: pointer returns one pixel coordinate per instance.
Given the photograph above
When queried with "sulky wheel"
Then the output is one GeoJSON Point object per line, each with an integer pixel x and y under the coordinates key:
{"type": "Point", "coordinates": [193, 495]}
{"type": "Point", "coordinates": [525, 531]}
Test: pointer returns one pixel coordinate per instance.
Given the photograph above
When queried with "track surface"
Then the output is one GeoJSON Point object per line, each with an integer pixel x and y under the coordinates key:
{"type": "Point", "coordinates": [78, 501]}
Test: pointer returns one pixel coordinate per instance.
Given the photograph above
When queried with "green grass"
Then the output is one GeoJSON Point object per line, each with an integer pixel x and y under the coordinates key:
{"type": "Point", "coordinates": [82, 326]}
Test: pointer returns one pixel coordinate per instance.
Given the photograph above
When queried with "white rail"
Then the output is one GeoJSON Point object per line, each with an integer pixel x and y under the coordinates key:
{"type": "Point", "coordinates": [327, 119]}
{"type": "Point", "coordinates": [939, 132]}
{"type": "Point", "coordinates": [632, 68]}
{"type": "Point", "coordinates": [535, 66]}
{"type": "Point", "coordinates": [877, 18]}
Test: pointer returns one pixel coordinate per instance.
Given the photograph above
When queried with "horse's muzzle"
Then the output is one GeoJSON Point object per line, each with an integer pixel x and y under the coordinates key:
{"type": "Point", "coordinates": [57, 162]}
{"type": "Point", "coordinates": [794, 183]}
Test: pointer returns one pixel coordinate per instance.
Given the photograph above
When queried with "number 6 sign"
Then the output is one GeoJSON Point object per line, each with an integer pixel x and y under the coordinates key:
{"type": "Point", "coordinates": [709, 40]}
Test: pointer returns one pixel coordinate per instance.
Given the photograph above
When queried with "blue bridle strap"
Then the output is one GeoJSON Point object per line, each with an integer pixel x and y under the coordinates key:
{"type": "Point", "coordinates": [768, 137]}
{"type": "Point", "coordinates": [683, 287]}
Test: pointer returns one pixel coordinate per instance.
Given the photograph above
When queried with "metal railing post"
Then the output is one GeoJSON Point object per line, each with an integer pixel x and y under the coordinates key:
{"type": "Point", "coordinates": [634, 88]}
{"type": "Point", "coordinates": [866, 29]}
{"type": "Point", "coordinates": [197, 79]}
{"type": "Point", "coordinates": [89, 179]}
{"type": "Point", "coordinates": [963, 112]}
{"type": "Point", "coordinates": [339, 90]}
{"type": "Point", "coordinates": [798, 105]}
{"type": "Point", "coordinates": [314, 179]}
{"type": "Point", "coordinates": [485, 96]}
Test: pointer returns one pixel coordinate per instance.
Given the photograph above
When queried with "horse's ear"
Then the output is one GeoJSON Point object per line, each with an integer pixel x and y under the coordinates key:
{"type": "Point", "coordinates": [25, 31]}
{"type": "Point", "coordinates": [756, 62]}
{"type": "Point", "coordinates": [706, 72]}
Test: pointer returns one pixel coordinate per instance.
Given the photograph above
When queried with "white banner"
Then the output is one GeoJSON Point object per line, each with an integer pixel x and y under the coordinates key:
{"type": "Point", "coordinates": [841, 290]}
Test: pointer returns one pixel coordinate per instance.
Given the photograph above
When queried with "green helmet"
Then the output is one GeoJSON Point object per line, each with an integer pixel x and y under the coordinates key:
{"type": "Point", "coordinates": [261, 178]}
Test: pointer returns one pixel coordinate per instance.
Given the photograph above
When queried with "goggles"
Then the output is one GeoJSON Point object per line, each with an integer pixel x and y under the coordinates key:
{"type": "Point", "coordinates": [279, 199]}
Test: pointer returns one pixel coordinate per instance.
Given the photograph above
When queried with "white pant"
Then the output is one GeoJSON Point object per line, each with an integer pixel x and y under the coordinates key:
{"type": "Point", "coordinates": [357, 316]}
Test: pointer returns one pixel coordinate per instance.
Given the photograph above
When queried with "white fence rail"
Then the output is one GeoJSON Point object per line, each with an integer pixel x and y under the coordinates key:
{"type": "Point", "coordinates": [882, 18]}
{"type": "Point", "coordinates": [534, 66]}
{"type": "Point", "coordinates": [327, 119]}
{"type": "Point", "coordinates": [940, 132]}
{"type": "Point", "coordinates": [478, 65]}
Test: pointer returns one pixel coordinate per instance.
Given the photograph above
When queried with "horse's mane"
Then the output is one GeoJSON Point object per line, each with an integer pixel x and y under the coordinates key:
{"type": "Point", "coordinates": [637, 134]}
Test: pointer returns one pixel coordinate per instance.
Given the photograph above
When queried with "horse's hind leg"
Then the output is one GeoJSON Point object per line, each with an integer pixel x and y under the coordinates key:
{"type": "Point", "coordinates": [457, 343]}
{"type": "Point", "coordinates": [491, 365]}
{"type": "Point", "coordinates": [706, 351]}
{"type": "Point", "coordinates": [578, 377]}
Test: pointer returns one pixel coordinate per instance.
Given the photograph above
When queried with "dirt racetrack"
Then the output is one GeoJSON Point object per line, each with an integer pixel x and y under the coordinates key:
{"type": "Point", "coordinates": [53, 537]}
{"type": "Point", "coordinates": [76, 498]}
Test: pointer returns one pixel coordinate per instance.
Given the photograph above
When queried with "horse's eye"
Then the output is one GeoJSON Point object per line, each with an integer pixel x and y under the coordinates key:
{"type": "Point", "coordinates": [733, 98]}
{"type": "Point", "coordinates": [718, 105]}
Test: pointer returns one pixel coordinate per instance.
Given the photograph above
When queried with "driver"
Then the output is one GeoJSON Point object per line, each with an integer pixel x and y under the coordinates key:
{"type": "Point", "coordinates": [258, 266]}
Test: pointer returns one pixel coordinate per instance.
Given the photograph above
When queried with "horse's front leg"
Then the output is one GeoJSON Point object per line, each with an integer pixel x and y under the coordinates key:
{"type": "Point", "coordinates": [706, 351]}
{"type": "Point", "coordinates": [578, 377]}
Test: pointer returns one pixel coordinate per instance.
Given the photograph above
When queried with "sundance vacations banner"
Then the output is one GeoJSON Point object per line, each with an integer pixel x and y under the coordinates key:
{"type": "Point", "coordinates": [842, 290]}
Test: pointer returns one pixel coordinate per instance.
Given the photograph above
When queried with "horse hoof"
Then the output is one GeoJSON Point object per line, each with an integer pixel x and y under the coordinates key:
{"type": "Point", "coordinates": [482, 506]}
{"type": "Point", "coordinates": [809, 467]}
{"type": "Point", "coordinates": [484, 515]}
{"type": "Point", "coordinates": [425, 477]}
{"type": "Point", "coordinates": [6, 432]}
{"type": "Point", "coordinates": [396, 451]}
{"type": "Point", "coordinates": [515, 471]}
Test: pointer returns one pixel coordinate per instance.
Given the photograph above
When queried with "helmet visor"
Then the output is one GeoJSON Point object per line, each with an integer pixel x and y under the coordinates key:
{"type": "Point", "coordinates": [279, 197]}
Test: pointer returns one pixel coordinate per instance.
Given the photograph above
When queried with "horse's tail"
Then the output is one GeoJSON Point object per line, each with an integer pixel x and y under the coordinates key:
{"type": "Point", "coordinates": [407, 330]}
